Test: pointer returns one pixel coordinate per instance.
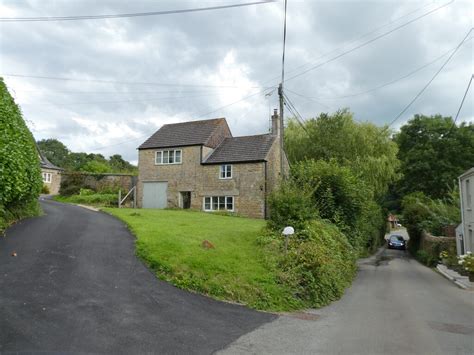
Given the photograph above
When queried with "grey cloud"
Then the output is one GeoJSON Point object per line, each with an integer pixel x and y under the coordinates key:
{"type": "Point", "coordinates": [191, 48]}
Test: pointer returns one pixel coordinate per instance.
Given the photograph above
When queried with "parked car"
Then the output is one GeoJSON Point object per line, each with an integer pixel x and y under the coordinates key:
{"type": "Point", "coordinates": [396, 242]}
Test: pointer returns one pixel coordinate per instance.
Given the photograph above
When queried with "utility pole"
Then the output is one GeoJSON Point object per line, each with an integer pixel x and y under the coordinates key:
{"type": "Point", "coordinates": [282, 103]}
{"type": "Point", "coordinates": [282, 131]}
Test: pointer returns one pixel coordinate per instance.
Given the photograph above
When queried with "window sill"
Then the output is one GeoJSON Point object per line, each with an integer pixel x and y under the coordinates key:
{"type": "Point", "coordinates": [168, 164]}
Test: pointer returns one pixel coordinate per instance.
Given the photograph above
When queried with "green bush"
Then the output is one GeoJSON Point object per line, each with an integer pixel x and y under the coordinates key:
{"type": "Point", "coordinates": [69, 190]}
{"type": "Point", "coordinates": [290, 206]}
{"type": "Point", "coordinates": [110, 189]}
{"type": "Point", "coordinates": [319, 265]}
{"type": "Point", "coordinates": [426, 258]}
{"type": "Point", "coordinates": [45, 190]}
{"type": "Point", "coordinates": [20, 175]}
{"type": "Point", "coordinates": [107, 200]}
{"type": "Point", "coordinates": [72, 183]}
{"type": "Point", "coordinates": [86, 192]}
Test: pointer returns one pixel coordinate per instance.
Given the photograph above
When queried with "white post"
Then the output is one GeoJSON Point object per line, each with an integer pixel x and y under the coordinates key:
{"type": "Point", "coordinates": [120, 198]}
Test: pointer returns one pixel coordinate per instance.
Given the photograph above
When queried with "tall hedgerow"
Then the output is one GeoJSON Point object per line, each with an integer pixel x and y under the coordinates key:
{"type": "Point", "coordinates": [20, 175]}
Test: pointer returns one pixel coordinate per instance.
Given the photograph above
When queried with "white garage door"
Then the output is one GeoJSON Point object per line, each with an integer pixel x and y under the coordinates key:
{"type": "Point", "coordinates": [154, 194]}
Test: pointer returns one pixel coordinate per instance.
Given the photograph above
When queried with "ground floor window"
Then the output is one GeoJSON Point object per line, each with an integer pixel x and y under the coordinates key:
{"type": "Point", "coordinates": [46, 177]}
{"type": "Point", "coordinates": [219, 203]}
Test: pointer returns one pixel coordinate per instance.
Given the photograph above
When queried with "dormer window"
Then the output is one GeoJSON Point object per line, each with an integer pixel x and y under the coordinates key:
{"type": "Point", "coordinates": [225, 171]}
{"type": "Point", "coordinates": [164, 157]}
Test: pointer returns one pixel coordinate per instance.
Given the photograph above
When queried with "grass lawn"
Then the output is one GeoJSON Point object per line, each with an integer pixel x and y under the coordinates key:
{"type": "Point", "coordinates": [238, 268]}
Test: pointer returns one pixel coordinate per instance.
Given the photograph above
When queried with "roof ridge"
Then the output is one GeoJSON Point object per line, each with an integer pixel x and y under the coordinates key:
{"type": "Point", "coordinates": [253, 135]}
{"type": "Point", "coordinates": [196, 121]}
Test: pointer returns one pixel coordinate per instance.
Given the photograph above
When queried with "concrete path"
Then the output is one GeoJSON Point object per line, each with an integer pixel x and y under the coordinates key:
{"type": "Point", "coordinates": [395, 306]}
{"type": "Point", "coordinates": [75, 286]}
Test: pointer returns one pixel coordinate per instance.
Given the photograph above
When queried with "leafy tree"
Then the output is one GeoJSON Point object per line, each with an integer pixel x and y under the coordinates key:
{"type": "Point", "coordinates": [75, 161]}
{"type": "Point", "coordinates": [54, 150]}
{"type": "Point", "coordinates": [20, 177]}
{"type": "Point", "coordinates": [433, 153]}
{"type": "Point", "coordinates": [95, 166]}
{"type": "Point", "coordinates": [363, 147]}
{"type": "Point", "coordinates": [117, 163]}
{"type": "Point", "coordinates": [337, 194]}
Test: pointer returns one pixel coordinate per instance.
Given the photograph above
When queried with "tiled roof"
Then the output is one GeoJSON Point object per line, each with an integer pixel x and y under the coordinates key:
{"type": "Point", "coordinates": [184, 134]}
{"type": "Point", "coordinates": [242, 149]}
{"type": "Point", "coordinates": [46, 164]}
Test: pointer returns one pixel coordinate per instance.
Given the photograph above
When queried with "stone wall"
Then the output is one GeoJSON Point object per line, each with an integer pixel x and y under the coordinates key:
{"type": "Point", "coordinates": [55, 183]}
{"type": "Point", "coordinates": [247, 184]}
{"type": "Point", "coordinates": [98, 182]}
{"type": "Point", "coordinates": [434, 245]}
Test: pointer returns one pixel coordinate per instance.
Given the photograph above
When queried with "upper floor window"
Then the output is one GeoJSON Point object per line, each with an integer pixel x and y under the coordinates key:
{"type": "Point", "coordinates": [226, 171]}
{"type": "Point", "coordinates": [46, 177]}
{"type": "Point", "coordinates": [168, 157]}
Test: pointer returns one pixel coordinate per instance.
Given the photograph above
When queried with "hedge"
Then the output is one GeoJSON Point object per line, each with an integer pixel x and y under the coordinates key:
{"type": "Point", "coordinates": [20, 174]}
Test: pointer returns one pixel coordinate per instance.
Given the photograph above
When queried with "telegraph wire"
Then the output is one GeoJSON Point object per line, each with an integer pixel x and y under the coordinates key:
{"type": "Point", "coordinates": [381, 86]}
{"type": "Point", "coordinates": [138, 14]}
{"type": "Point", "coordinates": [144, 100]}
{"type": "Point", "coordinates": [460, 106]}
{"type": "Point", "coordinates": [430, 81]}
{"type": "Point", "coordinates": [198, 116]}
{"type": "Point", "coordinates": [129, 82]}
{"type": "Point", "coordinates": [366, 34]}
{"type": "Point", "coordinates": [363, 44]}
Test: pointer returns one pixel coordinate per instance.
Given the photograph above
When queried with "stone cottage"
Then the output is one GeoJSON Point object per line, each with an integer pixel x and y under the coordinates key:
{"type": "Point", "coordinates": [200, 165]}
{"type": "Point", "coordinates": [50, 173]}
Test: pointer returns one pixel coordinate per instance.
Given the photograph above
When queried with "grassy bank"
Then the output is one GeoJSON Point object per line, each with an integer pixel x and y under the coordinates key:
{"type": "Point", "coordinates": [92, 200]}
{"type": "Point", "coordinates": [238, 269]}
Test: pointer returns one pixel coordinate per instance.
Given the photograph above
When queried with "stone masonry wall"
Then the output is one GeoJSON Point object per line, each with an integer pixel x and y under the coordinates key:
{"type": "Point", "coordinates": [247, 184]}
{"type": "Point", "coordinates": [55, 183]}
{"type": "Point", "coordinates": [100, 181]}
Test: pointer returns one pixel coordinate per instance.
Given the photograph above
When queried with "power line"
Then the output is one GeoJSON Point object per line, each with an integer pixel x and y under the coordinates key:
{"type": "Point", "coordinates": [309, 98]}
{"type": "Point", "coordinates": [138, 14]}
{"type": "Point", "coordinates": [366, 34]}
{"type": "Point", "coordinates": [201, 115]}
{"type": "Point", "coordinates": [119, 101]}
{"type": "Point", "coordinates": [127, 82]}
{"type": "Point", "coordinates": [378, 87]}
{"type": "Point", "coordinates": [462, 103]}
{"type": "Point", "coordinates": [369, 41]}
{"type": "Point", "coordinates": [430, 81]}
{"type": "Point", "coordinates": [284, 46]}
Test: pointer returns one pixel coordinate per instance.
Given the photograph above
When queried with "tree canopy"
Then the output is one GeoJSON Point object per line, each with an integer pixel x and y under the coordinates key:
{"type": "Point", "coordinates": [58, 154]}
{"type": "Point", "coordinates": [433, 152]}
{"type": "Point", "coordinates": [365, 148]}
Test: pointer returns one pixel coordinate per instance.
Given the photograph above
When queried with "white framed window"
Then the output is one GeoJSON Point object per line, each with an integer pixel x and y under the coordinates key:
{"type": "Point", "coordinates": [165, 157]}
{"type": "Point", "coordinates": [225, 171]}
{"type": "Point", "coordinates": [218, 203]}
{"type": "Point", "coordinates": [47, 177]}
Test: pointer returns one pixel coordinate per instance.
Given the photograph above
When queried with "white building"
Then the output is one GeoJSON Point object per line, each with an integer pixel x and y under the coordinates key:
{"type": "Point", "coordinates": [465, 233]}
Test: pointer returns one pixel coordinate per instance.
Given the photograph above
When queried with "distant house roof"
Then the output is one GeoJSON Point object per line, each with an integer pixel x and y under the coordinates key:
{"type": "Point", "coordinates": [45, 163]}
{"type": "Point", "coordinates": [184, 134]}
{"type": "Point", "coordinates": [242, 149]}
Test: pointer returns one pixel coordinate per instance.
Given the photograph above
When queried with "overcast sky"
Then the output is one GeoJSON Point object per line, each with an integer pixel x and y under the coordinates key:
{"type": "Point", "coordinates": [209, 60]}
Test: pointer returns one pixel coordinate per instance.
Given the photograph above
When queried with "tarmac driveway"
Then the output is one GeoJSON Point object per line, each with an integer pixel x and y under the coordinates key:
{"type": "Point", "coordinates": [76, 286]}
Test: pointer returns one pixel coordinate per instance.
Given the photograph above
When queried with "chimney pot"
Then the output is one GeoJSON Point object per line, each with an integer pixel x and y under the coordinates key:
{"type": "Point", "coordinates": [275, 123]}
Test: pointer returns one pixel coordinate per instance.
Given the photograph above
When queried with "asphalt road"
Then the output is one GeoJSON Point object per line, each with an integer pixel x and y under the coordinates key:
{"type": "Point", "coordinates": [76, 286]}
{"type": "Point", "coordinates": [395, 306]}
